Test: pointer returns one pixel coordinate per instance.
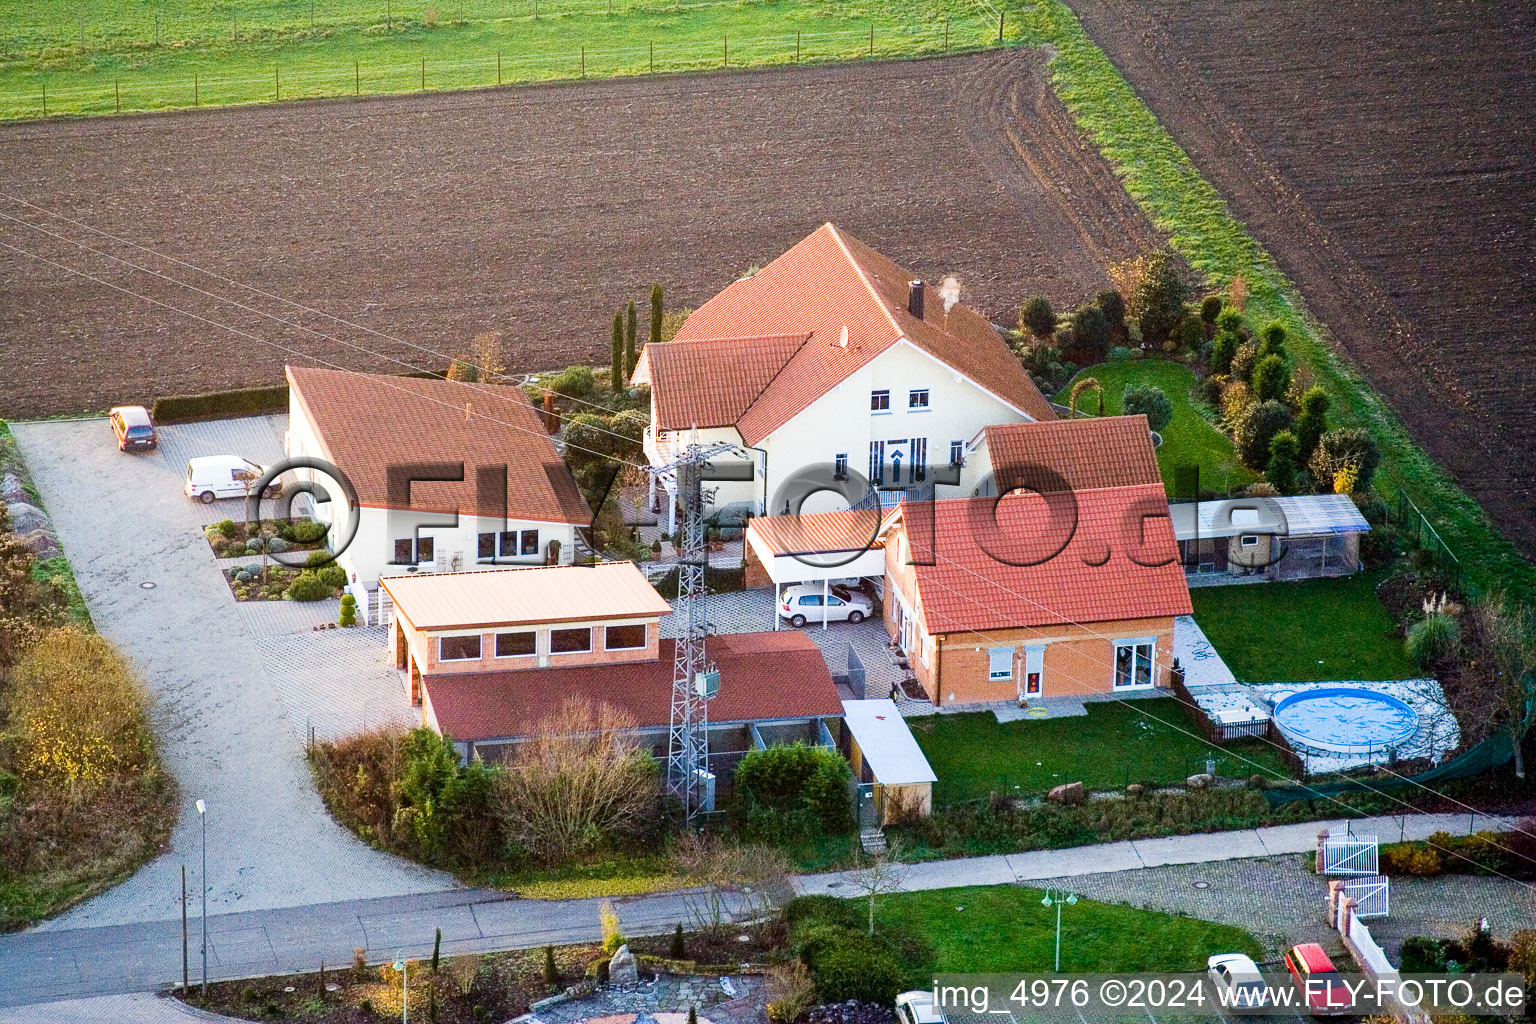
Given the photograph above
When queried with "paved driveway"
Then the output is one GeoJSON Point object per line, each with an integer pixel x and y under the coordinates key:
{"type": "Point", "coordinates": [224, 729]}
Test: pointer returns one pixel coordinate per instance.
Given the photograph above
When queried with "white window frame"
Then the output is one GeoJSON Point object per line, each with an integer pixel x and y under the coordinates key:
{"type": "Point", "coordinates": [957, 453]}
{"type": "Point", "coordinates": [993, 675]}
{"type": "Point", "coordinates": [913, 405]}
{"type": "Point", "coordinates": [840, 466]}
{"type": "Point", "coordinates": [645, 636]}
{"type": "Point", "coordinates": [1249, 540]}
{"type": "Point", "coordinates": [1149, 642]}
{"type": "Point", "coordinates": [556, 629]}
{"type": "Point", "coordinates": [875, 396]}
{"type": "Point", "coordinates": [509, 632]}
{"type": "Point", "coordinates": [479, 640]}
{"type": "Point", "coordinates": [1034, 664]}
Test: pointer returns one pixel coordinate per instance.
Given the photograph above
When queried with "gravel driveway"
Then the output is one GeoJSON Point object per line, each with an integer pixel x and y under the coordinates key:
{"type": "Point", "coordinates": [222, 725]}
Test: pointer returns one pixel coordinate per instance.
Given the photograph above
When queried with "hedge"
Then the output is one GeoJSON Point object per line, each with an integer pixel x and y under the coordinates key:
{"type": "Point", "coordinates": [220, 405]}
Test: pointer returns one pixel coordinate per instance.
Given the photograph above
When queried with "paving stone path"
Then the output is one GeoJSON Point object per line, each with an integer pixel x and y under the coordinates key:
{"type": "Point", "coordinates": [665, 1000]}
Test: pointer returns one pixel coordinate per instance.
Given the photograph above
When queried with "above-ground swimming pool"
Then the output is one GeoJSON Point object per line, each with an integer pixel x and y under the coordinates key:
{"type": "Point", "coordinates": [1345, 719]}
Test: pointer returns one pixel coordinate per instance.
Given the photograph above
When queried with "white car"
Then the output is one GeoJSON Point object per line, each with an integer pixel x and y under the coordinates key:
{"type": "Point", "coordinates": [224, 476]}
{"type": "Point", "coordinates": [916, 1007]}
{"type": "Point", "coordinates": [1239, 980]}
{"type": "Point", "coordinates": [802, 603]}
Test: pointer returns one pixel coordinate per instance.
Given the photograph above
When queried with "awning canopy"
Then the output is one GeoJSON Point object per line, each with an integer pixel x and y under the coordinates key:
{"type": "Point", "coordinates": [893, 756]}
{"type": "Point", "coordinates": [819, 546]}
{"type": "Point", "coordinates": [1303, 515]}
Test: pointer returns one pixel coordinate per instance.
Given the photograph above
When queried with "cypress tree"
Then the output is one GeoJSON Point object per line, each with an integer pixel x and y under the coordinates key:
{"type": "Point", "coordinates": [679, 950]}
{"type": "Point", "coordinates": [656, 297]}
{"type": "Point", "coordinates": [551, 972]}
{"type": "Point", "coordinates": [629, 340]}
{"type": "Point", "coordinates": [616, 358]}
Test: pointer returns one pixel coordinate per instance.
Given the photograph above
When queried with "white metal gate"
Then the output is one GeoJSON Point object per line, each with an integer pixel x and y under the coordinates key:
{"type": "Point", "coordinates": [1373, 896]}
{"type": "Point", "coordinates": [1349, 855]}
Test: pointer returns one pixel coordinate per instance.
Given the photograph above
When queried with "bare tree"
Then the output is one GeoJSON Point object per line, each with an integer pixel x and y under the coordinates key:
{"type": "Point", "coordinates": [1508, 633]}
{"type": "Point", "coordinates": [582, 783]}
{"type": "Point", "coordinates": [754, 870]}
{"type": "Point", "coordinates": [883, 873]}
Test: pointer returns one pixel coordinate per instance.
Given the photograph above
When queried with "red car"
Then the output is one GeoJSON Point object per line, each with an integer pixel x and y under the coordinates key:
{"type": "Point", "coordinates": [132, 427]}
{"type": "Point", "coordinates": [1319, 981]}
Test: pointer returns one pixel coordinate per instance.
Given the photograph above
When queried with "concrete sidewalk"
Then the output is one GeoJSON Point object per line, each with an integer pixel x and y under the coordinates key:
{"type": "Point", "coordinates": [1007, 869]}
{"type": "Point", "coordinates": [45, 966]}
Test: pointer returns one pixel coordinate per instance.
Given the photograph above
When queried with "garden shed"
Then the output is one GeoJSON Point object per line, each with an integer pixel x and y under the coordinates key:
{"type": "Point", "coordinates": [885, 756]}
{"type": "Point", "coordinates": [1306, 536]}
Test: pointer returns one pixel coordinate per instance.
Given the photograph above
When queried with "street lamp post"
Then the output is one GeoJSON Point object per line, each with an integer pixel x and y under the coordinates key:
{"type": "Point", "coordinates": [202, 815]}
{"type": "Point", "coordinates": [1057, 898]}
{"type": "Point", "coordinates": [405, 991]}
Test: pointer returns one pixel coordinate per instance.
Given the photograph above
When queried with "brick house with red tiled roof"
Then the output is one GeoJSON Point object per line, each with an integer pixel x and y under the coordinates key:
{"type": "Point", "coordinates": [449, 475]}
{"type": "Point", "coordinates": [833, 355]}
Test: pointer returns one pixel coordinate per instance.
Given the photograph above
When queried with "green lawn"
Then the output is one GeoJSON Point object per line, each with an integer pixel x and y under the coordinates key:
{"type": "Point", "coordinates": [1189, 439]}
{"type": "Point", "coordinates": [1310, 631]}
{"type": "Point", "coordinates": [104, 57]}
{"type": "Point", "coordinates": [995, 929]}
{"type": "Point", "coordinates": [1113, 745]}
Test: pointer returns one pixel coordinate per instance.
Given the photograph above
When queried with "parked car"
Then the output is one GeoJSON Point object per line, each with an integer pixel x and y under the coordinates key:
{"type": "Point", "coordinates": [802, 603]}
{"type": "Point", "coordinates": [210, 477]}
{"type": "Point", "coordinates": [133, 428]}
{"type": "Point", "coordinates": [1320, 983]}
{"type": "Point", "coordinates": [1238, 977]}
{"type": "Point", "coordinates": [916, 1007]}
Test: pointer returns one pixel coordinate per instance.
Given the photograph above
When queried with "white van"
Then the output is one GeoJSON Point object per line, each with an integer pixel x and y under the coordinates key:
{"type": "Point", "coordinates": [224, 476]}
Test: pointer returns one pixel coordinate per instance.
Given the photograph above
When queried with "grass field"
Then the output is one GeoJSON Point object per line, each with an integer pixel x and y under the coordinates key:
{"type": "Point", "coordinates": [1188, 439]}
{"type": "Point", "coordinates": [995, 929]}
{"type": "Point", "coordinates": [212, 53]}
{"type": "Point", "coordinates": [1303, 632]}
{"type": "Point", "coordinates": [1113, 745]}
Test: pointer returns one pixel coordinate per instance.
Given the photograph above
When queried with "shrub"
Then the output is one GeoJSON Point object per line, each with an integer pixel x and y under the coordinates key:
{"type": "Point", "coordinates": [1120, 354]}
{"type": "Point", "coordinates": [793, 777]}
{"type": "Point", "coordinates": [613, 933]}
{"type": "Point", "coordinates": [1188, 334]}
{"type": "Point", "coordinates": [348, 615]}
{"type": "Point", "coordinates": [847, 964]}
{"type": "Point", "coordinates": [1270, 378]}
{"type": "Point", "coordinates": [1422, 955]}
{"type": "Point", "coordinates": [1257, 429]}
{"type": "Point", "coordinates": [77, 712]}
{"type": "Point", "coordinates": [1350, 449]}
{"type": "Point", "coordinates": [1244, 360]}
{"type": "Point", "coordinates": [1312, 422]}
{"type": "Point", "coordinates": [1157, 293]}
{"type": "Point", "coordinates": [1113, 305]}
{"type": "Point", "coordinates": [333, 576]}
{"type": "Point", "coordinates": [630, 424]}
{"type": "Point", "coordinates": [462, 369]}
{"type": "Point", "coordinates": [587, 439]}
{"type": "Point", "coordinates": [226, 527]}
{"type": "Point", "coordinates": [1210, 309]}
{"type": "Point", "coordinates": [809, 910]}
{"type": "Point", "coordinates": [1223, 350]}
{"type": "Point", "coordinates": [220, 405]}
{"type": "Point", "coordinates": [1230, 321]}
{"type": "Point", "coordinates": [574, 382]}
{"type": "Point", "coordinates": [678, 950]}
{"type": "Point", "coordinates": [308, 587]}
{"type": "Point", "coordinates": [1091, 331]}
{"type": "Point", "coordinates": [1150, 402]}
{"type": "Point", "coordinates": [1272, 340]}
{"type": "Point", "coordinates": [1037, 317]}
{"type": "Point", "coordinates": [1284, 453]}
{"type": "Point", "coordinates": [307, 531]}
{"type": "Point", "coordinates": [315, 559]}
{"type": "Point", "coordinates": [256, 545]}
{"type": "Point", "coordinates": [1433, 638]}
{"type": "Point", "coordinates": [791, 993]}
{"type": "Point", "coordinates": [277, 545]}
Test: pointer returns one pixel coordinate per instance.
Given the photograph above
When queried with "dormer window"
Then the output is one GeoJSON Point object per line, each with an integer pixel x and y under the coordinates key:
{"type": "Point", "coordinates": [879, 401]}
{"type": "Point", "coordinates": [917, 398]}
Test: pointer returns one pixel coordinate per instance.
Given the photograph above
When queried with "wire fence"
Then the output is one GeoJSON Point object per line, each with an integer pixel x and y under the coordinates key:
{"type": "Point", "coordinates": [1415, 525]}
{"type": "Point", "coordinates": [316, 79]}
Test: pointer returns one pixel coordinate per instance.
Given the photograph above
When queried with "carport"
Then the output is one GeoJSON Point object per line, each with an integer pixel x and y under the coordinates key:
{"type": "Point", "coordinates": [817, 548]}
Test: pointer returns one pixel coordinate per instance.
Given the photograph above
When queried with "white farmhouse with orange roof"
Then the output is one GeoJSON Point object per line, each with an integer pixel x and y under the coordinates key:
{"type": "Point", "coordinates": [833, 355]}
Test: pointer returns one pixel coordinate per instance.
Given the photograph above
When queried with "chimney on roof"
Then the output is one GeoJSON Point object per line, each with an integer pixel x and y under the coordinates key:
{"type": "Point", "coordinates": [469, 412]}
{"type": "Point", "coordinates": [915, 298]}
{"type": "Point", "coordinates": [842, 338]}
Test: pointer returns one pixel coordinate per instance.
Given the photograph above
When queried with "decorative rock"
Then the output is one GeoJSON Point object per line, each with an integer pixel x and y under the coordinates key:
{"type": "Point", "coordinates": [26, 517]}
{"type": "Point", "coordinates": [11, 489]}
{"type": "Point", "coordinates": [1070, 793]}
{"type": "Point", "coordinates": [1135, 789]}
{"type": "Point", "coordinates": [622, 969]}
{"type": "Point", "coordinates": [1200, 781]}
{"type": "Point", "coordinates": [43, 545]}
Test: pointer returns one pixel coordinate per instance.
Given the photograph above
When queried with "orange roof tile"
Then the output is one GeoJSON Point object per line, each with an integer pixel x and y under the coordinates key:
{"type": "Point", "coordinates": [737, 369]}
{"type": "Point", "coordinates": [763, 676]}
{"type": "Point", "coordinates": [369, 422]}
{"type": "Point", "coordinates": [830, 281]}
{"type": "Point", "coordinates": [517, 596]}
{"type": "Point", "coordinates": [1095, 556]}
{"type": "Point", "coordinates": [1110, 451]}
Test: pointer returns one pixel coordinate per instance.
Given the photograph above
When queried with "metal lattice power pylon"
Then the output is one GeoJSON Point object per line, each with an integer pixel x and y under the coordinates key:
{"type": "Point", "coordinates": [693, 677]}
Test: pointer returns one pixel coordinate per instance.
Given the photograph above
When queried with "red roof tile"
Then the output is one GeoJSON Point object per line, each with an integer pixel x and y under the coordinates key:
{"type": "Point", "coordinates": [368, 422]}
{"type": "Point", "coordinates": [828, 282]}
{"type": "Point", "coordinates": [1083, 544]}
{"type": "Point", "coordinates": [737, 369]}
{"type": "Point", "coordinates": [762, 676]}
{"type": "Point", "coordinates": [1109, 451]}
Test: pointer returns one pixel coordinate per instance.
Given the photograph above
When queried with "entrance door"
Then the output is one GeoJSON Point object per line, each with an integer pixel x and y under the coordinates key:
{"type": "Point", "coordinates": [1034, 670]}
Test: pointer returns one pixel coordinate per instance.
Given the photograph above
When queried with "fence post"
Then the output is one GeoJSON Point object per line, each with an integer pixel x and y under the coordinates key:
{"type": "Point", "coordinates": [357, 79]}
{"type": "Point", "coordinates": [277, 85]}
{"type": "Point", "coordinates": [725, 60]}
{"type": "Point", "coordinates": [498, 67]}
{"type": "Point", "coordinates": [423, 74]}
{"type": "Point", "coordinates": [45, 99]}
{"type": "Point", "coordinates": [117, 96]}
{"type": "Point", "coordinates": [653, 56]}
{"type": "Point", "coordinates": [946, 35]}
{"type": "Point", "coordinates": [871, 39]}
{"type": "Point", "coordinates": [194, 88]}
{"type": "Point", "coordinates": [1000, 27]}
{"type": "Point", "coordinates": [157, 28]}
{"type": "Point", "coordinates": [234, 32]}
{"type": "Point", "coordinates": [583, 62]}
{"type": "Point", "coordinates": [797, 46]}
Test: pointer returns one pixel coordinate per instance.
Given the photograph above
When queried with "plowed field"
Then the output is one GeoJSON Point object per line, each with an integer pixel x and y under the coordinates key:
{"type": "Point", "coordinates": [1382, 151]}
{"type": "Point", "coordinates": [533, 211]}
